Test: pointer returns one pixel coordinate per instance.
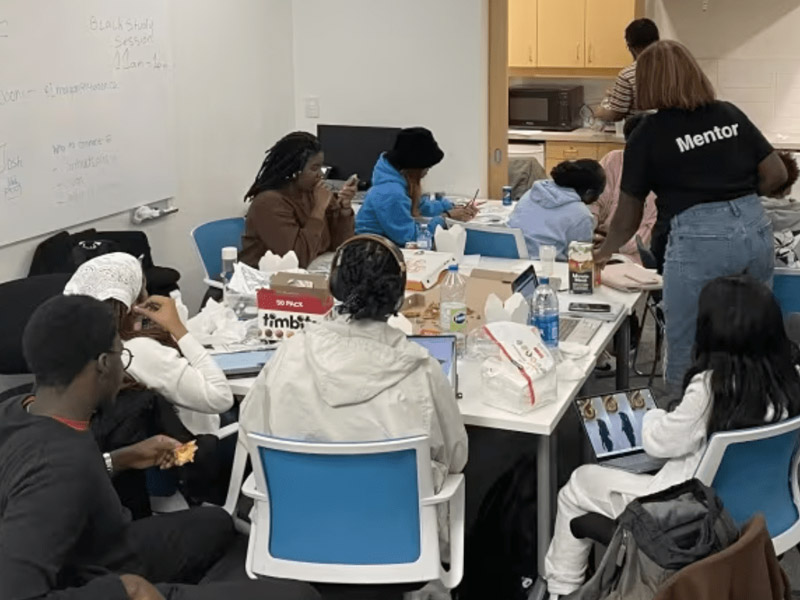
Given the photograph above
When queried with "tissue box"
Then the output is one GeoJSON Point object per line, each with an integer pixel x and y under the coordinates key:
{"type": "Point", "coordinates": [294, 301]}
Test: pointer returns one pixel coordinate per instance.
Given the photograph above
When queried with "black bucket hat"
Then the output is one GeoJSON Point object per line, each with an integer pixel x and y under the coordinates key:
{"type": "Point", "coordinates": [415, 148]}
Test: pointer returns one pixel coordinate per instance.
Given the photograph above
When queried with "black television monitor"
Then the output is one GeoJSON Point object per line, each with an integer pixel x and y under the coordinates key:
{"type": "Point", "coordinates": [352, 149]}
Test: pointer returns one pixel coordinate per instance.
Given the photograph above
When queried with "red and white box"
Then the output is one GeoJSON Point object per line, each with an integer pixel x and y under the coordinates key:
{"type": "Point", "coordinates": [293, 302]}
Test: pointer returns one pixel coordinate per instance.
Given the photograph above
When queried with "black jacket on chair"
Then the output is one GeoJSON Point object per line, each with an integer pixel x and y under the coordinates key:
{"type": "Point", "coordinates": [64, 252]}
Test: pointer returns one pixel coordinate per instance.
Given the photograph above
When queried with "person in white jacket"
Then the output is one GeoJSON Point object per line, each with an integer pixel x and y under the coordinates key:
{"type": "Point", "coordinates": [166, 358]}
{"type": "Point", "coordinates": [744, 375]}
{"type": "Point", "coordinates": [356, 378]}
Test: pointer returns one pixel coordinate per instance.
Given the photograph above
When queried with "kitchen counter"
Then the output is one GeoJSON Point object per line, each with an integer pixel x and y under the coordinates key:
{"type": "Point", "coordinates": [579, 135]}
{"type": "Point", "coordinates": [779, 141]}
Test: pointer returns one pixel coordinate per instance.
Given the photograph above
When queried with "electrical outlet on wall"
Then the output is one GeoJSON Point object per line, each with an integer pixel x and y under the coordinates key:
{"type": "Point", "coordinates": [312, 107]}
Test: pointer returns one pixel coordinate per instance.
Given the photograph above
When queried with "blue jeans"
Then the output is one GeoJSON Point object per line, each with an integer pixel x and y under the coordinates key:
{"type": "Point", "coordinates": [705, 242]}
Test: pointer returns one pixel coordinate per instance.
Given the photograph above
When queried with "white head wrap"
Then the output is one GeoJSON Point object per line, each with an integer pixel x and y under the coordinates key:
{"type": "Point", "coordinates": [116, 275]}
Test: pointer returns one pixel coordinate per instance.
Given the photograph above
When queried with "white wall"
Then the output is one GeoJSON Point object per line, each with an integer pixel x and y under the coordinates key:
{"type": "Point", "coordinates": [234, 98]}
{"type": "Point", "coordinates": [400, 63]}
{"type": "Point", "coordinates": [750, 50]}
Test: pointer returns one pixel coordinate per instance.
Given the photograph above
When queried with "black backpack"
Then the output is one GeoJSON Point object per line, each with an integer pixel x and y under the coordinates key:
{"type": "Point", "coordinates": [500, 553]}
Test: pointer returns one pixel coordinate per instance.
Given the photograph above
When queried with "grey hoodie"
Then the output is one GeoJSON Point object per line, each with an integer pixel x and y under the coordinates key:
{"type": "Point", "coordinates": [549, 214]}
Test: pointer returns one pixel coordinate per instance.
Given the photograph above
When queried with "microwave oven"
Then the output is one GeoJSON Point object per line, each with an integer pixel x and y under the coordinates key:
{"type": "Point", "coordinates": [545, 107]}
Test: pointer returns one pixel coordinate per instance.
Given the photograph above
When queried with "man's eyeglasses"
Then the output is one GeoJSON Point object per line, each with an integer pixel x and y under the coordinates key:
{"type": "Point", "coordinates": [125, 355]}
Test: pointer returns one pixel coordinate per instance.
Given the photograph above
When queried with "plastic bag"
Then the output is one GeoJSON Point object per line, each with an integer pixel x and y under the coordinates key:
{"type": "Point", "coordinates": [521, 374]}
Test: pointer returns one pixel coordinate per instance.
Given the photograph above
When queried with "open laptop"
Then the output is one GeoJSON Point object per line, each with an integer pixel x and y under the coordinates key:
{"type": "Point", "coordinates": [613, 424]}
{"type": "Point", "coordinates": [571, 329]}
{"type": "Point", "coordinates": [248, 363]}
{"type": "Point", "coordinates": [443, 349]}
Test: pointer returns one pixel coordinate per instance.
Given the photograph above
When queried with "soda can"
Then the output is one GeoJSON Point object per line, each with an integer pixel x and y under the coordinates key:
{"type": "Point", "coordinates": [507, 201]}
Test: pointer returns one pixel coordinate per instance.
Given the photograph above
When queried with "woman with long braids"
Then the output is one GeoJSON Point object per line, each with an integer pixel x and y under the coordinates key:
{"type": "Point", "coordinates": [291, 208]}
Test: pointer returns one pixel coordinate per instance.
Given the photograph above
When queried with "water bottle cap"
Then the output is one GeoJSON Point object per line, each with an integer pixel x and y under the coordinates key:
{"type": "Point", "coordinates": [453, 267]}
{"type": "Point", "coordinates": [544, 281]}
{"type": "Point", "coordinates": [230, 253]}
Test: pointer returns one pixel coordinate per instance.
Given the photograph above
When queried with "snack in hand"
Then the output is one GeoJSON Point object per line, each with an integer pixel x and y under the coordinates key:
{"type": "Point", "coordinates": [185, 453]}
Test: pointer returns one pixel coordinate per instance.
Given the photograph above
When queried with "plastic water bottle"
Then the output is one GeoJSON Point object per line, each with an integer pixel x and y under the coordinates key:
{"type": "Point", "coordinates": [230, 256]}
{"type": "Point", "coordinates": [453, 307]}
{"type": "Point", "coordinates": [507, 200]}
{"type": "Point", "coordinates": [544, 313]}
{"type": "Point", "coordinates": [424, 238]}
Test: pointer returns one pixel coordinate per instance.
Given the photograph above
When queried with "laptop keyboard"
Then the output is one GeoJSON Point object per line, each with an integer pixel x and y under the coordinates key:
{"type": "Point", "coordinates": [577, 331]}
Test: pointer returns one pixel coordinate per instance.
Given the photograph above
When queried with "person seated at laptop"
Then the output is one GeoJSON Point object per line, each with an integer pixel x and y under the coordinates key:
{"type": "Point", "coordinates": [291, 207]}
{"type": "Point", "coordinates": [357, 378]}
{"type": "Point", "coordinates": [744, 374]}
{"type": "Point", "coordinates": [554, 211]}
{"type": "Point", "coordinates": [63, 533]}
{"type": "Point", "coordinates": [603, 209]}
{"type": "Point", "coordinates": [165, 356]}
{"type": "Point", "coordinates": [395, 199]}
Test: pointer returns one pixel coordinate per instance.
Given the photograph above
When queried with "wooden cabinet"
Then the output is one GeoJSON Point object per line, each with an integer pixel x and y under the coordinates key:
{"type": "Point", "coordinates": [560, 40]}
{"type": "Point", "coordinates": [606, 21]}
{"type": "Point", "coordinates": [557, 152]}
{"type": "Point", "coordinates": [605, 148]}
{"type": "Point", "coordinates": [522, 33]}
{"type": "Point", "coordinates": [569, 37]}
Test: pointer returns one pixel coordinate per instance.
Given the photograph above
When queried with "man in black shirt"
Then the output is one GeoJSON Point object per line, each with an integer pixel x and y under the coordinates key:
{"type": "Point", "coordinates": [63, 533]}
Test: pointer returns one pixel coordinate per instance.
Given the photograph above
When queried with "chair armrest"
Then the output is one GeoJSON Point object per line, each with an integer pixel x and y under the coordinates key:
{"type": "Point", "coordinates": [228, 430]}
{"type": "Point", "coordinates": [249, 489]}
{"type": "Point", "coordinates": [449, 489]}
{"type": "Point", "coordinates": [211, 283]}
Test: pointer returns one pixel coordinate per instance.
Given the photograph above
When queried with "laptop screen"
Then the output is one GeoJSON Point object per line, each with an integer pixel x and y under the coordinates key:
{"type": "Point", "coordinates": [241, 363]}
{"type": "Point", "coordinates": [443, 349]}
{"type": "Point", "coordinates": [613, 422]}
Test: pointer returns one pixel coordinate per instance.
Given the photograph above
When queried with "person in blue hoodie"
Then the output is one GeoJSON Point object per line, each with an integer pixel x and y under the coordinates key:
{"type": "Point", "coordinates": [395, 198]}
{"type": "Point", "coordinates": [555, 212]}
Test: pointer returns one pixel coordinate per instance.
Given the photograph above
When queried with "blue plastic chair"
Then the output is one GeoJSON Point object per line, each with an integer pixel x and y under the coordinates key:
{"type": "Point", "coordinates": [499, 242]}
{"type": "Point", "coordinates": [362, 513]}
{"type": "Point", "coordinates": [786, 287]}
{"type": "Point", "coordinates": [210, 238]}
{"type": "Point", "coordinates": [755, 471]}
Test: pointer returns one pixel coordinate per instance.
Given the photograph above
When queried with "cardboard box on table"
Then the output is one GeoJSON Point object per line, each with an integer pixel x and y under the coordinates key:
{"type": "Point", "coordinates": [421, 308]}
{"type": "Point", "coordinates": [293, 301]}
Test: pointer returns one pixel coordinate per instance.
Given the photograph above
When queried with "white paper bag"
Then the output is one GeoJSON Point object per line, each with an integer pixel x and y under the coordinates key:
{"type": "Point", "coordinates": [452, 240]}
{"type": "Point", "coordinates": [522, 375]}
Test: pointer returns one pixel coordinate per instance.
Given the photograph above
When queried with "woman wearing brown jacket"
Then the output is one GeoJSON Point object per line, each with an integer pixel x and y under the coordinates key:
{"type": "Point", "coordinates": [292, 208]}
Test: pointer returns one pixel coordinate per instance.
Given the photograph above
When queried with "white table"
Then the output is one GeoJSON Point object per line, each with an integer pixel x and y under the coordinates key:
{"type": "Point", "coordinates": [542, 421]}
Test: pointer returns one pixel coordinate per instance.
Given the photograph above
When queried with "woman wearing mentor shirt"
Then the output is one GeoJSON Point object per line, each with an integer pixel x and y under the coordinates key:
{"type": "Point", "coordinates": [706, 163]}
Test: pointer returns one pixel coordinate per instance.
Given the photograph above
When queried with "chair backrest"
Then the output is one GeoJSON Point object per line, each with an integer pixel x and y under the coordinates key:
{"type": "Point", "coordinates": [18, 301]}
{"type": "Point", "coordinates": [500, 242]}
{"type": "Point", "coordinates": [786, 287]}
{"type": "Point", "coordinates": [210, 238]}
{"type": "Point", "coordinates": [645, 254]}
{"type": "Point", "coordinates": [755, 471]}
{"type": "Point", "coordinates": [344, 512]}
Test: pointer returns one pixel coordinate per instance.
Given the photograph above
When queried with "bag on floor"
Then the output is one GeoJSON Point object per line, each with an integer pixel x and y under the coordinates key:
{"type": "Point", "coordinates": [656, 536]}
{"type": "Point", "coordinates": [500, 559]}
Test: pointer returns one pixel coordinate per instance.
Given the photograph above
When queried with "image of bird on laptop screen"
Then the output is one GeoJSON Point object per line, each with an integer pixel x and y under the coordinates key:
{"type": "Point", "coordinates": [614, 421]}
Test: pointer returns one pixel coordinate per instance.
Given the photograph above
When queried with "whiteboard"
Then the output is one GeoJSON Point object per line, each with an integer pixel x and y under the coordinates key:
{"type": "Point", "coordinates": [86, 111]}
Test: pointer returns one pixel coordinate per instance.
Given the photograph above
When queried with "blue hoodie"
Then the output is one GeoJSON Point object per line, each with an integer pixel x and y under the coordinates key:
{"type": "Point", "coordinates": [549, 214]}
{"type": "Point", "coordinates": [387, 208]}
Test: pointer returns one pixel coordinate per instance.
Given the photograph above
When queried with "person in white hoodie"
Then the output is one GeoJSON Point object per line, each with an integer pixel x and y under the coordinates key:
{"type": "Point", "coordinates": [744, 375]}
{"type": "Point", "coordinates": [166, 357]}
{"type": "Point", "coordinates": [555, 212]}
{"type": "Point", "coordinates": [356, 378]}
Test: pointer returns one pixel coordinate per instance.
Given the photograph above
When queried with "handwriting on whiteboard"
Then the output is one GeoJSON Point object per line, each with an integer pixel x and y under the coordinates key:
{"type": "Point", "coordinates": [132, 41]}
